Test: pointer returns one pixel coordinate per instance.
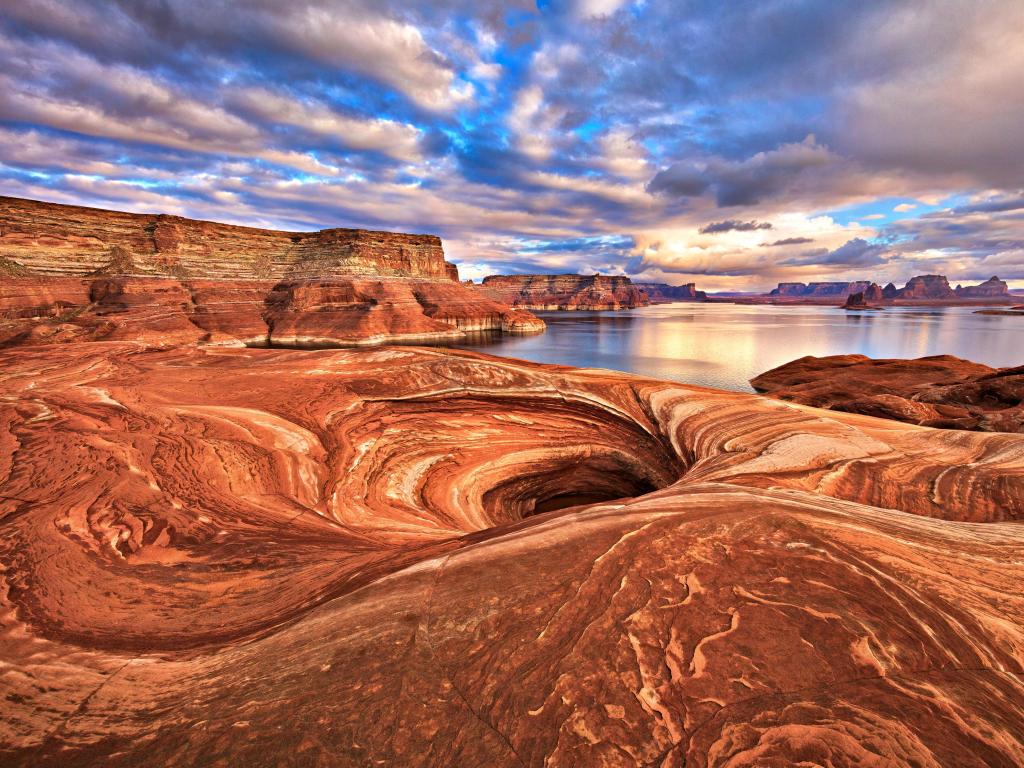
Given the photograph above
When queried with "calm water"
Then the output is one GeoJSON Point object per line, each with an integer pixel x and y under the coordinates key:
{"type": "Point", "coordinates": [725, 345]}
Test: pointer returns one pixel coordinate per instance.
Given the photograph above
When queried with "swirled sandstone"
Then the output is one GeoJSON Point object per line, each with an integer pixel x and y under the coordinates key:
{"type": "Point", "coordinates": [418, 557]}
{"type": "Point", "coordinates": [938, 391]}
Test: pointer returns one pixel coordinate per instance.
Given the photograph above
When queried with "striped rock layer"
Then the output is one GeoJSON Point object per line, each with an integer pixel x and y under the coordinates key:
{"type": "Point", "coordinates": [564, 292]}
{"type": "Point", "coordinates": [338, 311]}
{"type": "Point", "coordinates": [430, 558]}
{"type": "Point", "coordinates": [38, 238]}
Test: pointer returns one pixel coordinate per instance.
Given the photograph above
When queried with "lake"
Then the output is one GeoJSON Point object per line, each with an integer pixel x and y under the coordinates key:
{"type": "Point", "coordinates": [725, 345]}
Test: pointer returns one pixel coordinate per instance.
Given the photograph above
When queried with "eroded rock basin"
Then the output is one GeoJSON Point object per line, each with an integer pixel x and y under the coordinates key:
{"type": "Point", "coordinates": [427, 557]}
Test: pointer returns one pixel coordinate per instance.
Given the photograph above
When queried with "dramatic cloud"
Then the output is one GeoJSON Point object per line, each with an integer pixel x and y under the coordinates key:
{"type": "Point", "coordinates": [570, 135]}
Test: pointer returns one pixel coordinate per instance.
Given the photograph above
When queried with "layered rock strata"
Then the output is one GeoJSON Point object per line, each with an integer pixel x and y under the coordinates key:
{"type": "Point", "coordinates": [312, 312]}
{"type": "Point", "coordinates": [940, 391]}
{"type": "Point", "coordinates": [922, 288]}
{"type": "Point", "coordinates": [818, 290]}
{"type": "Point", "coordinates": [49, 239]}
{"type": "Point", "coordinates": [424, 558]}
{"type": "Point", "coordinates": [564, 292]}
{"type": "Point", "coordinates": [663, 293]}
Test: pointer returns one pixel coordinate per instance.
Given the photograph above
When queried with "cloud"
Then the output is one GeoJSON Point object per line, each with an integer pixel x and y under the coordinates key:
{"type": "Point", "coordinates": [732, 225]}
{"type": "Point", "coordinates": [853, 253]}
{"type": "Point", "coordinates": [788, 241]}
{"type": "Point", "coordinates": [904, 207]}
{"type": "Point", "coordinates": [544, 136]}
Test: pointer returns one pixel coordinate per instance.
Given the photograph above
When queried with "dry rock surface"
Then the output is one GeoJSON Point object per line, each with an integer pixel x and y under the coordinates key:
{"type": "Point", "coordinates": [73, 274]}
{"type": "Point", "coordinates": [51, 239]}
{"type": "Point", "coordinates": [414, 557]}
{"type": "Point", "coordinates": [564, 292]}
{"type": "Point", "coordinates": [938, 391]}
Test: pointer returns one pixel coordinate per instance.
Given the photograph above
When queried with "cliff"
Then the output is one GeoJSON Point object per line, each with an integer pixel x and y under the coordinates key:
{"type": "Point", "coordinates": [926, 287]}
{"type": "Point", "coordinates": [663, 293]}
{"type": "Point", "coordinates": [426, 558]}
{"type": "Point", "coordinates": [993, 287]}
{"type": "Point", "coordinates": [564, 292]}
{"type": "Point", "coordinates": [50, 239]}
{"type": "Point", "coordinates": [83, 274]}
{"type": "Point", "coordinates": [819, 290]}
{"type": "Point", "coordinates": [940, 391]}
{"type": "Point", "coordinates": [313, 312]}
{"type": "Point", "coordinates": [922, 288]}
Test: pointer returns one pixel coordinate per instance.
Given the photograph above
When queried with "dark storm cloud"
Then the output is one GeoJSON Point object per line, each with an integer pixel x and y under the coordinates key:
{"type": "Point", "coordinates": [732, 225]}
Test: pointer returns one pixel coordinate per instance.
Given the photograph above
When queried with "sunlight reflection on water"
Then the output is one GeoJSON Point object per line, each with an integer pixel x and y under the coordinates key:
{"type": "Point", "coordinates": [725, 345]}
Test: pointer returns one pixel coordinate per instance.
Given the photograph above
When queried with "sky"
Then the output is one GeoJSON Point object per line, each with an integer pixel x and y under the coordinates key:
{"type": "Point", "coordinates": [732, 144]}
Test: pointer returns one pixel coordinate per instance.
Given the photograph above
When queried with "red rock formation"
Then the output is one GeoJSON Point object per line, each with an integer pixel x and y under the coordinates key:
{"type": "Point", "coordinates": [993, 287]}
{"type": "Point", "coordinates": [940, 391]}
{"type": "Point", "coordinates": [51, 239]}
{"type": "Point", "coordinates": [869, 298]}
{"type": "Point", "coordinates": [564, 292]}
{"type": "Point", "coordinates": [166, 312]}
{"type": "Point", "coordinates": [817, 290]}
{"type": "Point", "coordinates": [663, 293]}
{"type": "Point", "coordinates": [926, 287]}
{"type": "Point", "coordinates": [267, 557]}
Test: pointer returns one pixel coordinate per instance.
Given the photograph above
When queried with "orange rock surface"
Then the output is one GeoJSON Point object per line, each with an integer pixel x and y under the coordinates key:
{"type": "Point", "coordinates": [938, 391]}
{"type": "Point", "coordinates": [51, 239]}
{"type": "Point", "coordinates": [564, 292]}
{"type": "Point", "coordinates": [430, 558]}
{"type": "Point", "coordinates": [325, 311]}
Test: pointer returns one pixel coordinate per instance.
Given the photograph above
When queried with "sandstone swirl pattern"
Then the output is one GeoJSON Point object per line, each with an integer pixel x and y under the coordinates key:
{"type": "Point", "coordinates": [420, 557]}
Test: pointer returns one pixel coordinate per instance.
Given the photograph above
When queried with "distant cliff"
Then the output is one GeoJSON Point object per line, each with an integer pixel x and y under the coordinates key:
{"type": "Point", "coordinates": [564, 292]}
{"type": "Point", "coordinates": [39, 238]}
{"type": "Point", "coordinates": [838, 290]}
{"type": "Point", "coordinates": [663, 293]}
{"type": "Point", "coordinates": [927, 288]}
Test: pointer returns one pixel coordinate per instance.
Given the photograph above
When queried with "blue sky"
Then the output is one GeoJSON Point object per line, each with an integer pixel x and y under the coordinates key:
{"type": "Point", "coordinates": [733, 144]}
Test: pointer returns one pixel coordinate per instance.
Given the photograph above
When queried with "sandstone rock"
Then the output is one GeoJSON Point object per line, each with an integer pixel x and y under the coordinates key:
{"type": "Point", "coordinates": [51, 239]}
{"type": "Point", "coordinates": [941, 391]}
{"type": "Point", "coordinates": [167, 312]}
{"type": "Point", "coordinates": [993, 287]}
{"type": "Point", "coordinates": [926, 287]}
{"type": "Point", "coordinates": [564, 292]}
{"type": "Point", "coordinates": [839, 290]}
{"type": "Point", "coordinates": [663, 293]}
{"type": "Point", "coordinates": [271, 557]}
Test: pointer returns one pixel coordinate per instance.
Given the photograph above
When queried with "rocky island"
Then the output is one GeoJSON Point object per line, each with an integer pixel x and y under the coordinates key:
{"type": "Point", "coordinates": [76, 273]}
{"type": "Point", "coordinates": [564, 292]}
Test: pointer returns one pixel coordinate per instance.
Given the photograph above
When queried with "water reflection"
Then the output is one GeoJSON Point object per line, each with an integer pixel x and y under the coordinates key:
{"type": "Point", "coordinates": [725, 345]}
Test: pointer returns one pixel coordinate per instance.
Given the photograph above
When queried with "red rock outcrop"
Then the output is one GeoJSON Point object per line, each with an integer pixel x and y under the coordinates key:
{"type": "Point", "coordinates": [818, 290]}
{"type": "Point", "coordinates": [564, 292]}
{"type": "Point", "coordinates": [926, 287]}
{"type": "Point", "coordinates": [327, 311]}
{"type": "Point", "coordinates": [663, 293]}
{"type": "Point", "coordinates": [993, 287]}
{"type": "Point", "coordinates": [365, 557]}
{"type": "Point", "coordinates": [940, 391]}
{"type": "Point", "coordinates": [50, 239]}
